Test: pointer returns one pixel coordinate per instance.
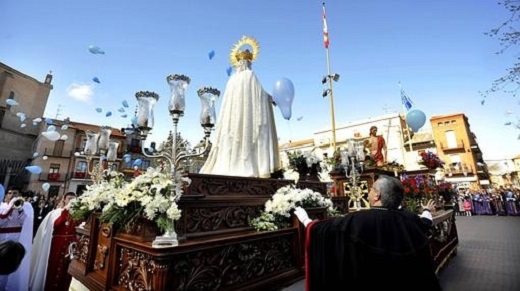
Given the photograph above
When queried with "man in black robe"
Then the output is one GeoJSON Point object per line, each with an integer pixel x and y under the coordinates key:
{"type": "Point", "coordinates": [383, 248]}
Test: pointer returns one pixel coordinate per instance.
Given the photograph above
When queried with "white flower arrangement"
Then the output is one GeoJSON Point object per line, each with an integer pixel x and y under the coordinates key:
{"type": "Point", "coordinates": [279, 208]}
{"type": "Point", "coordinates": [152, 195]}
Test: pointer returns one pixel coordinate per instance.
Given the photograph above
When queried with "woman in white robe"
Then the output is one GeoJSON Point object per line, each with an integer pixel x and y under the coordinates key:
{"type": "Point", "coordinates": [246, 143]}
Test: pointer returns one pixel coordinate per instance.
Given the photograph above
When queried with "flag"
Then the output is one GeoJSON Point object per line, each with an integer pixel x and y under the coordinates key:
{"type": "Point", "coordinates": [325, 28]}
{"type": "Point", "coordinates": [407, 102]}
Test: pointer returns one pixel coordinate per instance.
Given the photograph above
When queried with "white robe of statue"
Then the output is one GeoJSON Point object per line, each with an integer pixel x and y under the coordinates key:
{"type": "Point", "coordinates": [246, 143]}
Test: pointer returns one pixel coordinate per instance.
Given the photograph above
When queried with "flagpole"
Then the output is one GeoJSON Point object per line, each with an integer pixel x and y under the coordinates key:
{"type": "Point", "coordinates": [329, 77]}
{"type": "Point", "coordinates": [407, 127]}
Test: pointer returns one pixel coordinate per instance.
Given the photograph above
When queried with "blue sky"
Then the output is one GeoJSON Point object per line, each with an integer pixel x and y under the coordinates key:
{"type": "Point", "coordinates": [436, 49]}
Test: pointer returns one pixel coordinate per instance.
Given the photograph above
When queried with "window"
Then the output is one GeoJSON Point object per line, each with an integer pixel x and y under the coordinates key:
{"type": "Point", "coordinates": [453, 121]}
{"type": "Point", "coordinates": [58, 148]}
{"type": "Point", "coordinates": [451, 139]}
{"type": "Point", "coordinates": [2, 114]}
{"type": "Point", "coordinates": [446, 123]}
{"type": "Point", "coordinates": [439, 124]}
{"type": "Point", "coordinates": [80, 170]}
{"type": "Point", "coordinates": [54, 172]}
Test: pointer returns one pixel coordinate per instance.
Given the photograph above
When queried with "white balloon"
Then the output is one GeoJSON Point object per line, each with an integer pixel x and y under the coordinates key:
{"type": "Point", "coordinates": [46, 187]}
{"type": "Point", "coordinates": [35, 154]}
{"type": "Point", "coordinates": [64, 137]}
{"type": "Point", "coordinates": [64, 127]}
{"type": "Point", "coordinates": [45, 157]}
{"type": "Point", "coordinates": [23, 125]}
{"type": "Point", "coordinates": [51, 135]}
{"type": "Point", "coordinates": [51, 128]}
{"type": "Point", "coordinates": [37, 119]}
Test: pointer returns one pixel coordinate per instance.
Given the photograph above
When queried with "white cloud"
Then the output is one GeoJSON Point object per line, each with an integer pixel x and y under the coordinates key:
{"type": "Point", "coordinates": [80, 92]}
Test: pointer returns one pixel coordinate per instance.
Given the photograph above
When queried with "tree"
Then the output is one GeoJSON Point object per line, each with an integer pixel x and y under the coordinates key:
{"type": "Point", "coordinates": [508, 38]}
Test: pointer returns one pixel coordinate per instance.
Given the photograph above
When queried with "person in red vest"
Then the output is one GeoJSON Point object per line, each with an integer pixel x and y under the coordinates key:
{"type": "Point", "coordinates": [50, 263]}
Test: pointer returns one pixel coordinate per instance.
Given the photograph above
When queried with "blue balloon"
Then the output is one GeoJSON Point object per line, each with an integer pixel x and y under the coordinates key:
{"type": "Point", "coordinates": [109, 113]}
{"type": "Point", "coordinates": [127, 157]}
{"type": "Point", "coordinates": [283, 95]}
{"type": "Point", "coordinates": [2, 192]}
{"type": "Point", "coordinates": [211, 54]}
{"type": "Point", "coordinates": [415, 119]}
{"type": "Point", "coordinates": [34, 169]}
{"type": "Point", "coordinates": [125, 103]}
{"type": "Point", "coordinates": [96, 79]}
{"type": "Point", "coordinates": [124, 115]}
{"type": "Point", "coordinates": [95, 50]}
{"type": "Point", "coordinates": [48, 120]}
{"type": "Point", "coordinates": [138, 162]}
{"type": "Point", "coordinates": [99, 110]}
{"type": "Point", "coordinates": [228, 71]}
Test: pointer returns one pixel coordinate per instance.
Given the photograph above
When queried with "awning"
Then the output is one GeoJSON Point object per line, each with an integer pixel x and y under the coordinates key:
{"type": "Point", "coordinates": [461, 179]}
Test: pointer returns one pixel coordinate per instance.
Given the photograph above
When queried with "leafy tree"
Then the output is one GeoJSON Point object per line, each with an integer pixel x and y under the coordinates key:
{"type": "Point", "coordinates": [508, 37]}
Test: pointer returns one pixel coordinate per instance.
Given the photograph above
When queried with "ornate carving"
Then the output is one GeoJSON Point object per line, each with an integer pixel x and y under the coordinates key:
{"type": "Point", "coordinates": [224, 267]}
{"type": "Point", "coordinates": [223, 185]}
{"type": "Point", "coordinates": [106, 230]}
{"type": "Point", "coordinates": [101, 256]}
{"type": "Point", "coordinates": [81, 251]}
{"type": "Point", "coordinates": [137, 270]}
{"type": "Point", "coordinates": [219, 218]}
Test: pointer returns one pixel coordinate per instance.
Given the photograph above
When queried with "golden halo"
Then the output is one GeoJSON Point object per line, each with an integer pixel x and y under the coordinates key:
{"type": "Point", "coordinates": [245, 40]}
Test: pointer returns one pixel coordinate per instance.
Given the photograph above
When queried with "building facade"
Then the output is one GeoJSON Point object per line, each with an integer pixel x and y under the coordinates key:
{"type": "Point", "coordinates": [403, 146]}
{"type": "Point", "coordinates": [457, 146]}
{"type": "Point", "coordinates": [22, 101]}
{"type": "Point", "coordinates": [65, 167]}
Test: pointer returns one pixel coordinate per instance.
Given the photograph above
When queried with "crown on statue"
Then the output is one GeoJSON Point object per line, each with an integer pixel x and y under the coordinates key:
{"type": "Point", "coordinates": [244, 55]}
{"type": "Point", "coordinates": [237, 54]}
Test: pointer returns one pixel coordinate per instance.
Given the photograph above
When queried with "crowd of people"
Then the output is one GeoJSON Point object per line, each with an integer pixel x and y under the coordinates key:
{"type": "Point", "coordinates": [32, 228]}
{"type": "Point", "coordinates": [503, 201]}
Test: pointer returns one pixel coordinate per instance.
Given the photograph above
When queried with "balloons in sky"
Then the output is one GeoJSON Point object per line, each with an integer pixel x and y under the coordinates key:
{"type": "Point", "coordinates": [299, 118]}
{"type": "Point", "coordinates": [99, 110]}
{"type": "Point", "coordinates": [124, 116]}
{"type": "Point", "coordinates": [121, 110]}
{"type": "Point", "coordinates": [11, 102]}
{"type": "Point", "coordinates": [46, 187]}
{"type": "Point", "coordinates": [283, 95]}
{"type": "Point", "coordinates": [211, 54]}
{"type": "Point", "coordinates": [507, 123]}
{"type": "Point", "coordinates": [95, 50]}
{"type": "Point", "coordinates": [125, 104]}
{"type": "Point", "coordinates": [415, 119]}
{"type": "Point", "coordinates": [228, 71]}
{"type": "Point", "coordinates": [34, 169]}
{"type": "Point", "coordinates": [96, 79]}
{"type": "Point", "coordinates": [51, 135]}
{"type": "Point", "coordinates": [109, 113]}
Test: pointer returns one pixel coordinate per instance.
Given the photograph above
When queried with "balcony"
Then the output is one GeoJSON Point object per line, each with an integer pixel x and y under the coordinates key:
{"type": "Point", "coordinates": [452, 148]}
{"type": "Point", "coordinates": [50, 152]}
{"type": "Point", "coordinates": [459, 170]}
{"type": "Point", "coordinates": [53, 177]}
{"type": "Point", "coordinates": [80, 175]}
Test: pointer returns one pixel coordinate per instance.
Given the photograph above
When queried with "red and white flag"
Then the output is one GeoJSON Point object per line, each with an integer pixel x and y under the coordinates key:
{"type": "Point", "coordinates": [325, 29]}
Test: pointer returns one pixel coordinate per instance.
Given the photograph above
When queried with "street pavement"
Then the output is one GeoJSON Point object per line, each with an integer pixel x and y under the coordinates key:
{"type": "Point", "coordinates": [487, 259]}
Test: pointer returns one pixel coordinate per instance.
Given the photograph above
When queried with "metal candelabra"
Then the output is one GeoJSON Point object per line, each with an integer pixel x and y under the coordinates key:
{"type": "Point", "coordinates": [352, 159]}
{"type": "Point", "coordinates": [177, 152]}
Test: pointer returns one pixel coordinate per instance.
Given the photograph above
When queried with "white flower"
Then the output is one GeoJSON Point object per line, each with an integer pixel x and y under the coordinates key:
{"type": "Point", "coordinates": [154, 192]}
{"type": "Point", "coordinates": [284, 201]}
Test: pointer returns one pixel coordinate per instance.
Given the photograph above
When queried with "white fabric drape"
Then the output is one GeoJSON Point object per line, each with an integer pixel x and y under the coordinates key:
{"type": "Point", "coordinates": [42, 243]}
{"type": "Point", "coordinates": [245, 143]}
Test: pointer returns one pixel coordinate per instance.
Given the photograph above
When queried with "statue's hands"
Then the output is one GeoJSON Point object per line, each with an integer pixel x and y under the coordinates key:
{"type": "Point", "coordinates": [302, 215]}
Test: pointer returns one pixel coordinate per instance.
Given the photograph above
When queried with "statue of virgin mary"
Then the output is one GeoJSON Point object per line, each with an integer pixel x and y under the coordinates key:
{"type": "Point", "coordinates": [245, 143]}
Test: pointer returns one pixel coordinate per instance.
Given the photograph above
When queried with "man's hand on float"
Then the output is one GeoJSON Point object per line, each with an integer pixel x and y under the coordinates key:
{"type": "Point", "coordinates": [302, 215]}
